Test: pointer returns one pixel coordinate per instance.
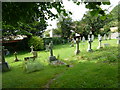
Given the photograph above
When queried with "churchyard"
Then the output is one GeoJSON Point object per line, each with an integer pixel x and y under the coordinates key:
{"type": "Point", "coordinates": [59, 44]}
{"type": "Point", "coordinates": [96, 69]}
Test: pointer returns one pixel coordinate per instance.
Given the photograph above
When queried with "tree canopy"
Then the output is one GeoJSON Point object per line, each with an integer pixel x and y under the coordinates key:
{"type": "Point", "coordinates": [30, 17]}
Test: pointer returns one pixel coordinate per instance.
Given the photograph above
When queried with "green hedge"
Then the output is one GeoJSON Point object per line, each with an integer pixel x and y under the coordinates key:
{"type": "Point", "coordinates": [56, 40]}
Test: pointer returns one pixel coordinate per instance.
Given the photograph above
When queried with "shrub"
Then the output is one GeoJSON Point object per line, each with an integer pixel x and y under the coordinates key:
{"type": "Point", "coordinates": [36, 42]}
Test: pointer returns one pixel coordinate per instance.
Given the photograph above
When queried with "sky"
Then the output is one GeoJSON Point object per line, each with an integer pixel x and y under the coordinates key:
{"type": "Point", "coordinates": [78, 11]}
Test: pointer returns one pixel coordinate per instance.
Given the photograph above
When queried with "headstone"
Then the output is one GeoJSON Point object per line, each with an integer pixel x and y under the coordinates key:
{"type": "Point", "coordinates": [5, 66]}
{"type": "Point", "coordinates": [31, 49]}
{"type": "Point", "coordinates": [16, 59]}
{"type": "Point", "coordinates": [92, 37]}
{"type": "Point", "coordinates": [105, 37]}
{"type": "Point", "coordinates": [72, 43]}
{"type": "Point", "coordinates": [77, 51]}
{"type": "Point", "coordinates": [46, 47]}
{"type": "Point", "coordinates": [100, 40]}
{"type": "Point", "coordinates": [35, 55]}
{"type": "Point", "coordinates": [106, 44]}
{"type": "Point", "coordinates": [109, 36]}
{"type": "Point", "coordinates": [51, 57]}
{"type": "Point", "coordinates": [83, 39]}
{"type": "Point", "coordinates": [118, 41]}
{"type": "Point", "coordinates": [89, 42]}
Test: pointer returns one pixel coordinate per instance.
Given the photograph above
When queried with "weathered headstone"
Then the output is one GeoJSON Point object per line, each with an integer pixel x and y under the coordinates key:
{"type": "Point", "coordinates": [77, 51]}
{"type": "Point", "coordinates": [89, 42]}
{"type": "Point", "coordinates": [83, 39]}
{"type": "Point", "coordinates": [31, 49]}
{"type": "Point", "coordinates": [51, 57]}
{"type": "Point", "coordinates": [100, 40]}
{"type": "Point", "coordinates": [16, 59]}
{"type": "Point", "coordinates": [5, 66]}
{"type": "Point", "coordinates": [105, 37]}
{"type": "Point", "coordinates": [92, 37]}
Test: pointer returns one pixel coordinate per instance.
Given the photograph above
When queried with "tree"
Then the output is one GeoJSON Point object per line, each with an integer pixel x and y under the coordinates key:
{"type": "Point", "coordinates": [15, 13]}
{"type": "Point", "coordinates": [65, 27]}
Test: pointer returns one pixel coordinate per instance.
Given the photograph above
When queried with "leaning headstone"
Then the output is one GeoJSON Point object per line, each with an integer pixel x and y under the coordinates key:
{"type": "Point", "coordinates": [105, 37]}
{"type": "Point", "coordinates": [100, 40]}
{"type": "Point", "coordinates": [83, 39]}
{"type": "Point", "coordinates": [16, 59]}
{"type": "Point", "coordinates": [77, 51]}
{"type": "Point", "coordinates": [5, 66]}
{"type": "Point", "coordinates": [31, 49]}
{"type": "Point", "coordinates": [51, 57]}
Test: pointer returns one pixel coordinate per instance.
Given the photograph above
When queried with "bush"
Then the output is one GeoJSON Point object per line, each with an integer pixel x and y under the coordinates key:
{"type": "Point", "coordinates": [36, 42]}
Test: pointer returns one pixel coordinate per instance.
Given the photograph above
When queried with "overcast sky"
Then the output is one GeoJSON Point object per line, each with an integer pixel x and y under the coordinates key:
{"type": "Point", "coordinates": [78, 11]}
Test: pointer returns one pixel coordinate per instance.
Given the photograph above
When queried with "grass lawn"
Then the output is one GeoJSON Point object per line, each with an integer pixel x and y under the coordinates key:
{"type": "Point", "coordinates": [97, 69]}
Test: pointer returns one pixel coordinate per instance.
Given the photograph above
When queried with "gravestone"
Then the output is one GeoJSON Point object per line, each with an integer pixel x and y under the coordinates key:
{"type": "Point", "coordinates": [16, 59]}
{"type": "Point", "coordinates": [92, 37]}
{"type": "Point", "coordinates": [46, 48]}
{"type": "Point", "coordinates": [77, 51]}
{"type": "Point", "coordinates": [72, 43]}
{"type": "Point", "coordinates": [118, 41]}
{"type": "Point", "coordinates": [31, 49]}
{"type": "Point", "coordinates": [105, 37]}
{"type": "Point", "coordinates": [83, 39]}
{"type": "Point", "coordinates": [109, 36]}
{"type": "Point", "coordinates": [89, 42]}
{"type": "Point", "coordinates": [5, 66]}
{"type": "Point", "coordinates": [51, 57]}
{"type": "Point", "coordinates": [106, 44]}
{"type": "Point", "coordinates": [100, 40]}
{"type": "Point", "coordinates": [35, 55]}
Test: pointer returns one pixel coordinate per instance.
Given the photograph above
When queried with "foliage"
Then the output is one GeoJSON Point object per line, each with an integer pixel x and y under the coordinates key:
{"type": "Point", "coordinates": [64, 27]}
{"type": "Point", "coordinates": [23, 15]}
{"type": "Point", "coordinates": [36, 42]}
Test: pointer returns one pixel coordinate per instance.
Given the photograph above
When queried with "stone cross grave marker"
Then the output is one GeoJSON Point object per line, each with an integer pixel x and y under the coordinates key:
{"type": "Point", "coordinates": [100, 40]}
{"type": "Point", "coordinates": [77, 51]}
{"type": "Point", "coordinates": [51, 57]}
{"type": "Point", "coordinates": [16, 59]}
{"type": "Point", "coordinates": [31, 49]}
{"type": "Point", "coordinates": [5, 66]}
